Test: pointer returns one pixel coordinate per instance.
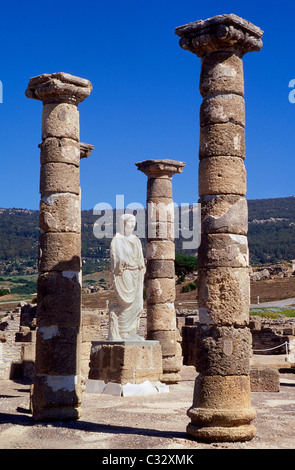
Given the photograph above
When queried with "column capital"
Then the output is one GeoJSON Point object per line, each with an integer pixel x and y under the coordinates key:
{"type": "Point", "coordinates": [85, 150]}
{"type": "Point", "coordinates": [228, 33]}
{"type": "Point", "coordinates": [160, 168]}
{"type": "Point", "coordinates": [58, 88]}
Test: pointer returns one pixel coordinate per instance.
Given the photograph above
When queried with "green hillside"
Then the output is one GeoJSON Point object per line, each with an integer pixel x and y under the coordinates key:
{"type": "Point", "coordinates": [271, 236]}
{"type": "Point", "coordinates": [271, 232]}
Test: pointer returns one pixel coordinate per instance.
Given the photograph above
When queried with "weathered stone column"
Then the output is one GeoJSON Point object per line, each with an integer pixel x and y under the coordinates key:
{"type": "Point", "coordinates": [160, 256]}
{"type": "Point", "coordinates": [57, 385]}
{"type": "Point", "coordinates": [221, 409]}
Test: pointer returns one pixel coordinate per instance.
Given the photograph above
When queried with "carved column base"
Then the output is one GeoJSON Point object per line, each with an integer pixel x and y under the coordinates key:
{"type": "Point", "coordinates": [221, 409]}
{"type": "Point", "coordinates": [170, 377]}
{"type": "Point", "coordinates": [222, 434]}
{"type": "Point", "coordinates": [56, 398]}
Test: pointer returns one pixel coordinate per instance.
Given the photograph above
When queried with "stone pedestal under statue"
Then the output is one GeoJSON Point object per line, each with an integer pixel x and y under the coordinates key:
{"type": "Point", "coordinates": [125, 357]}
{"type": "Point", "coordinates": [122, 362]}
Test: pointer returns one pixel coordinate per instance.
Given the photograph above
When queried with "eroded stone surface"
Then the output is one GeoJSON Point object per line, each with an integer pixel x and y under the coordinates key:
{"type": "Point", "coordinates": [64, 391]}
{"type": "Point", "coordinates": [160, 290]}
{"type": "Point", "coordinates": [222, 139]}
{"type": "Point", "coordinates": [160, 210]}
{"type": "Point", "coordinates": [223, 108]}
{"type": "Point", "coordinates": [224, 213]}
{"type": "Point", "coordinates": [226, 32]}
{"type": "Point", "coordinates": [229, 393]}
{"type": "Point", "coordinates": [60, 120]}
{"type": "Point", "coordinates": [160, 269]}
{"type": "Point", "coordinates": [59, 299]}
{"type": "Point", "coordinates": [160, 250]}
{"type": "Point", "coordinates": [60, 150]}
{"type": "Point", "coordinates": [161, 231]}
{"type": "Point", "coordinates": [223, 350]}
{"type": "Point", "coordinates": [222, 175]}
{"type": "Point", "coordinates": [60, 213]}
{"type": "Point", "coordinates": [123, 363]}
{"type": "Point", "coordinates": [221, 72]}
{"type": "Point", "coordinates": [161, 317]}
{"type": "Point", "coordinates": [167, 339]}
{"type": "Point", "coordinates": [58, 87]}
{"type": "Point", "coordinates": [224, 296]}
{"type": "Point", "coordinates": [264, 379]}
{"type": "Point", "coordinates": [59, 252]}
{"type": "Point", "coordinates": [223, 250]}
{"type": "Point", "coordinates": [58, 350]}
{"type": "Point", "coordinates": [59, 178]}
{"type": "Point", "coordinates": [160, 168]}
{"type": "Point", "coordinates": [159, 188]}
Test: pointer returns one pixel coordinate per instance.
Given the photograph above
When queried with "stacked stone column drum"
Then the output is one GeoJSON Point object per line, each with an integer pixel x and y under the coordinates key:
{"type": "Point", "coordinates": [57, 385]}
{"type": "Point", "coordinates": [221, 409]}
{"type": "Point", "coordinates": [160, 256]}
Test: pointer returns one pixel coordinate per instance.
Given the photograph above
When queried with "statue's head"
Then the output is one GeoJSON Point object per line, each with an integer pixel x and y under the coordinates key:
{"type": "Point", "coordinates": [127, 224]}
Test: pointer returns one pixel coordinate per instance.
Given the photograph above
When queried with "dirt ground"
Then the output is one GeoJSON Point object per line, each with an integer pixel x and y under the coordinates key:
{"type": "Point", "coordinates": [156, 421]}
{"type": "Point", "coordinates": [267, 290]}
{"type": "Point", "coordinates": [273, 289]}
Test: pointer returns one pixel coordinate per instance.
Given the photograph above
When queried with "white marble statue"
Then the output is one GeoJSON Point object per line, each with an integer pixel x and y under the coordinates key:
{"type": "Point", "coordinates": [128, 269]}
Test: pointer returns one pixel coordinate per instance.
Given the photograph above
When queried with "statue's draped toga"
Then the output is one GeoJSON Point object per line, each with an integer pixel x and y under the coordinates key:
{"type": "Point", "coordinates": [128, 269]}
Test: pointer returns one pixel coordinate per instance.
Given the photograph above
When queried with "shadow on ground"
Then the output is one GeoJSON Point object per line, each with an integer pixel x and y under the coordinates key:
{"type": "Point", "coordinates": [80, 425]}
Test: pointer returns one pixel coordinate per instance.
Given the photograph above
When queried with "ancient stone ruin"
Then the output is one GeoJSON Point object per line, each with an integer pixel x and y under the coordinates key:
{"type": "Point", "coordinates": [160, 256]}
{"type": "Point", "coordinates": [221, 407]}
{"type": "Point", "coordinates": [70, 346]}
{"type": "Point", "coordinates": [57, 385]}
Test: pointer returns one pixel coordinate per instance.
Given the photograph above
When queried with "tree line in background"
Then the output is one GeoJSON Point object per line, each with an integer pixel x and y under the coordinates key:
{"type": "Point", "coordinates": [271, 230]}
{"type": "Point", "coordinates": [271, 237]}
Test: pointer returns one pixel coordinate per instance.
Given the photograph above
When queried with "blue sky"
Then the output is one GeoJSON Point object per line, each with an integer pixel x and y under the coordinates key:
{"type": "Point", "coordinates": [145, 100]}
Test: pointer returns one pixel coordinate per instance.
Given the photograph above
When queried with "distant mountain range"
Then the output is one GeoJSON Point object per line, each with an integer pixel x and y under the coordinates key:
{"type": "Point", "coordinates": [271, 235]}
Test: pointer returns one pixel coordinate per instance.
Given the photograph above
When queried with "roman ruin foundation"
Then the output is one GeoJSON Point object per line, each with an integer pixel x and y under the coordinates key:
{"type": "Point", "coordinates": [221, 409]}
{"type": "Point", "coordinates": [57, 384]}
{"type": "Point", "coordinates": [160, 256]}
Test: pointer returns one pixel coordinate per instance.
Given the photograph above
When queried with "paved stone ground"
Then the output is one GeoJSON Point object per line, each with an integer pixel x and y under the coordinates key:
{"type": "Point", "coordinates": [143, 422]}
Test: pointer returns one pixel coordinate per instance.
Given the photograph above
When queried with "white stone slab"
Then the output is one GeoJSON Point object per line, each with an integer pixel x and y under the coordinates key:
{"type": "Point", "coordinates": [127, 390]}
{"type": "Point", "coordinates": [161, 388]}
{"type": "Point", "coordinates": [112, 388]}
{"type": "Point", "coordinates": [138, 389]}
{"type": "Point", "coordinates": [95, 386]}
{"type": "Point", "coordinates": [287, 381]}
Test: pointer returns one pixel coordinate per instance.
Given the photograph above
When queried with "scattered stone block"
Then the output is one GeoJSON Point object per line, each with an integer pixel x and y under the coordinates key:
{"type": "Point", "coordinates": [95, 386]}
{"type": "Point", "coordinates": [264, 379]}
{"type": "Point", "coordinates": [112, 388]}
{"type": "Point", "coordinates": [125, 361]}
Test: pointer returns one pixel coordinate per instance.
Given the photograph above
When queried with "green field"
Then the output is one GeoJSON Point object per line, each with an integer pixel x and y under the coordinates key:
{"type": "Point", "coordinates": [24, 287]}
{"type": "Point", "coordinates": [18, 286]}
{"type": "Point", "coordinates": [273, 312]}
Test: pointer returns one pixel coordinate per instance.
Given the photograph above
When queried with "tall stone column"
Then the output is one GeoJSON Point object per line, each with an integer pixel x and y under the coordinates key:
{"type": "Point", "coordinates": [160, 256]}
{"type": "Point", "coordinates": [221, 409]}
{"type": "Point", "coordinates": [57, 385]}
